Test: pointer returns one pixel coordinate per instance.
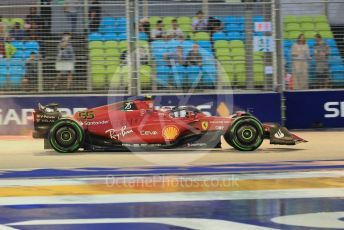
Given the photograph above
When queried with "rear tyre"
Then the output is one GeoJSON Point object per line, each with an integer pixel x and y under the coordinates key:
{"type": "Point", "coordinates": [66, 136]}
{"type": "Point", "coordinates": [245, 134]}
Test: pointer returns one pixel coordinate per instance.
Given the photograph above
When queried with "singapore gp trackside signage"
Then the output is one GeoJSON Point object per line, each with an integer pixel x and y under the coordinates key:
{"type": "Point", "coordinates": [316, 109]}
{"type": "Point", "coordinates": [16, 112]}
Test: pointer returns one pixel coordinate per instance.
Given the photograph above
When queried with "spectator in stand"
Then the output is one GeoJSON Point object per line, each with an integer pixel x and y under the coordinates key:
{"type": "Point", "coordinates": [95, 12]}
{"type": "Point", "coordinates": [71, 10]}
{"type": "Point", "coordinates": [175, 58]}
{"type": "Point", "coordinates": [214, 25]}
{"type": "Point", "coordinates": [65, 61]}
{"type": "Point", "coordinates": [3, 30]}
{"type": "Point", "coordinates": [199, 24]}
{"type": "Point", "coordinates": [175, 31]}
{"type": "Point", "coordinates": [32, 25]}
{"type": "Point", "coordinates": [157, 32]}
{"type": "Point", "coordinates": [144, 26]}
{"type": "Point", "coordinates": [46, 16]}
{"type": "Point", "coordinates": [31, 77]}
{"type": "Point", "coordinates": [17, 33]}
{"type": "Point", "coordinates": [194, 57]}
{"type": "Point", "coordinates": [301, 56]}
{"type": "Point", "coordinates": [321, 52]}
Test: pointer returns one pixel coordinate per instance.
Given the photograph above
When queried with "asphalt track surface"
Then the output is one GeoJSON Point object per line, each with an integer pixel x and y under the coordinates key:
{"type": "Point", "coordinates": [28, 153]}
{"type": "Point", "coordinates": [276, 187]}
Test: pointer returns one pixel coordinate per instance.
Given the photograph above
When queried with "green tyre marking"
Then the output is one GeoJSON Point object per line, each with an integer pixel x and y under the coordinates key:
{"type": "Point", "coordinates": [234, 140]}
{"type": "Point", "coordinates": [78, 142]}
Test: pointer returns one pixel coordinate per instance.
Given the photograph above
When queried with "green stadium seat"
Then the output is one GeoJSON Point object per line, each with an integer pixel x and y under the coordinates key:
{"type": "Point", "coordinates": [167, 21]}
{"type": "Point", "coordinates": [293, 35]}
{"type": "Point", "coordinates": [305, 18]}
{"type": "Point", "coordinates": [236, 44]}
{"type": "Point", "coordinates": [186, 28]}
{"type": "Point", "coordinates": [290, 19]}
{"type": "Point", "coordinates": [95, 45]}
{"type": "Point", "coordinates": [120, 77]}
{"type": "Point", "coordinates": [96, 52]}
{"type": "Point", "coordinates": [111, 52]}
{"type": "Point", "coordinates": [228, 75]}
{"type": "Point", "coordinates": [111, 70]}
{"type": "Point", "coordinates": [183, 20]}
{"type": "Point", "coordinates": [144, 44]}
{"type": "Point", "coordinates": [153, 20]}
{"type": "Point", "coordinates": [21, 21]}
{"type": "Point", "coordinates": [292, 27]}
{"type": "Point", "coordinates": [201, 36]}
{"type": "Point", "coordinates": [309, 34]}
{"type": "Point", "coordinates": [224, 59]}
{"type": "Point", "coordinates": [240, 73]}
{"type": "Point", "coordinates": [110, 44]}
{"type": "Point", "coordinates": [258, 58]}
{"type": "Point", "coordinates": [98, 75]}
{"type": "Point", "coordinates": [237, 52]}
{"type": "Point", "coordinates": [221, 44]}
{"type": "Point", "coordinates": [145, 76]}
{"type": "Point", "coordinates": [222, 52]}
{"type": "Point", "coordinates": [326, 34]}
{"type": "Point", "coordinates": [322, 26]}
{"type": "Point", "coordinates": [307, 26]}
{"type": "Point", "coordinates": [258, 74]}
{"type": "Point", "coordinates": [239, 59]}
{"type": "Point", "coordinates": [123, 45]}
{"type": "Point", "coordinates": [320, 18]}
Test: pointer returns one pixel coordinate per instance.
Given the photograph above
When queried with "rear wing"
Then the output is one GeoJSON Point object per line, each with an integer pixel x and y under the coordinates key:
{"type": "Point", "coordinates": [44, 117]}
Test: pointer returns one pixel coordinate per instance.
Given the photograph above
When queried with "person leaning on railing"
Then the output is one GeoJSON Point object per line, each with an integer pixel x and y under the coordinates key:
{"type": "Point", "coordinates": [301, 56]}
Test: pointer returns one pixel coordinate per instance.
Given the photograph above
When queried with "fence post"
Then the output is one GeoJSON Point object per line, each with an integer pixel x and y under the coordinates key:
{"type": "Point", "coordinates": [131, 11]}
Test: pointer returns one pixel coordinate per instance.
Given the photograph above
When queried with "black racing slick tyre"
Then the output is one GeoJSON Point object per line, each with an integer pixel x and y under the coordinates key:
{"type": "Point", "coordinates": [245, 134]}
{"type": "Point", "coordinates": [66, 136]}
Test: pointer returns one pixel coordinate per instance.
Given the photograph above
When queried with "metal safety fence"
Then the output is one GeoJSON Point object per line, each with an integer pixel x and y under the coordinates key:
{"type": "Point", "coordinates": [144, 47]}
{"type": "Point", "coordinates": [313, 33]}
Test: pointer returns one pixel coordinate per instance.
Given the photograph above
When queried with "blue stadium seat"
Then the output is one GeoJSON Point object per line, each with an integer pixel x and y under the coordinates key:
{"type": "Point", "coordinates": [32, 45]}
{"type": "Point", "coordinates": [178, 74]}
{"type": "Point", "coordinates": [258, 18]}
{"type": "Point", "coordinates": [334, 51]}
{"type": "Point", "coordinates": [18, 44]}
{"type": "Point", "coordinates": [121, 21]}
{"type": "Point", "coordinates": [205, 45]}
{"type": "Point", "coordinates": [121, 29]}
{"type": "Point", "coordinates": [219, 36]}
{"type": "Point", "coordinates": [107, 29]}
{"type": "Point", "coordinates": [109, 37]}
{"type": "Point", "coordinates": [311, 42]}
{"type": "Point", "coordinates": [337, 74]}
{"type": "Point", "coordinates": [194, 75]}
{"type": "Point", "coordinates": [16, 75]}
{"type": "Point", "coordinates": [3, 71]}
{"type": "Point", "coordinates": [162, 75]}
{"type": "Point", "coordinates": [235, 36]}
{"type": "Point", "coordinates": [95, 37]}
{"type": "Point", "coordinates": [122, 36]}
{"type": "Point", "coordinates": [19, 54]}
{"type": "Point", "coordinates": [330, 42]}
{"type": "Point", "coordinates": [234, 27]}
{"type": "Point", "coordinates": [209, 75]}
{"type": "Point", "coordinates": [16, 62]}
{"type": "Point", "coordinates": [107, 22]}
{"type": "Point", "coordinates": [3, 62]}
{"type": "Point", "coordinates": [28, 52]}
{"type": "Point", "coordinates": [143, 36]}
{"type": "Point", "coordinates": [335, 61]}
{"type": "Point", "coordinates": [230, 19]}
{"type": "Point", "coordinates": [241, 19]}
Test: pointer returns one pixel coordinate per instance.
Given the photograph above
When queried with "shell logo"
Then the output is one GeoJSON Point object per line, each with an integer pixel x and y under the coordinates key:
{"type": "Point", "coordinates": [170, 132]}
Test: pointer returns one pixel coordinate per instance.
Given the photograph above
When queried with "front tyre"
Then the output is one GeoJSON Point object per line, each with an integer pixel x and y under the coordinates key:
{"type": "Point", "coordinates": [245, 134]}
{"type": "Point", "coordinates": [66, 136]}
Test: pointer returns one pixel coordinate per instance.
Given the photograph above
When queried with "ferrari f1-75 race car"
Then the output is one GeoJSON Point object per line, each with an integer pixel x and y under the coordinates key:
{"type": "Point", "coordinates": [135, 124]}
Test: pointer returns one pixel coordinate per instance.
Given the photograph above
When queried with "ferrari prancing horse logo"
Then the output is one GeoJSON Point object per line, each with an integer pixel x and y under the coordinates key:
{"type": "Point", "coordinates": [205, 125]}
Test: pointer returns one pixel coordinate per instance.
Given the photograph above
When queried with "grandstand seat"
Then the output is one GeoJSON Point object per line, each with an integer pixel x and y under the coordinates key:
{"type": "Point", "coordinates": [16, 75]}
{"type": "Point", "coordinates": [334, 51]}
{"type": "Point", "coordinates": [111, 53]}
{"type": "Point", "coordinates": [234, 27]}
{"type": "Point", "coordinates": [145, 76]}
{"type": "Point", "coordinates": [109, 37]}
{"type": "Point", "coordinates": [120, 78]}
{"type": "Point", "coordinates": [21, 21]}
{"type": "Point", "coordinates": [292, 27]}
{"type": "Point", "coordinates": [95, 45]}
{"type": "Point", "coordinates": [121, 21]}
{"type": "Point", "coordinates": [167, 21]}
{"type": "Point", "coordinates": [179, 75]}
{"type": "Point", "coordinates": [194, 74]}
{"type": "Point", "coordinates": [220, 44]}
{"type": "Point", "coordinates": [109, 45]}
{"type": "Point", "coordinates": [235, 36]}
{"type": "Point", "coordinates": [201, 36]}
{"type": "Point", "coordinates": [311, 43]}
{"type": "Point", "coordinates": [236, 44]}
{"type": "Point", "coordinates": [183, 20]}
{"type": "Point", "coordinates": [205, 45]}
{"type": "Point", "coordinates": [322, 26]}
{"type": "Point", "coordinates": [335, 61]}
{"type": "Point", "coordinates": [292, 35]}
{"type": "Point", "coordinates": [209, 75]}
{"type": "Point", "coordinates": [326, 34]}
{"type": "Point", "coordinates": [121, 29]}
{"type": "Point", "coordinates": [337, 74]}
{"type": "Point", "coordinates": [237, 52]}
{"type": "Point", "coordinates": [107, 29]}
{"type": "Point", "coordinates": [305, 18]}
{"type": "Point", "coordinates": [95, 37]}
{"type": "Point", "coordinates": [239, 59]}
{"type": "Point", "coordinates": [122, 37]}
{"type": "Point", "coordinates": [331, 42]}
{"type": "Point", "coordinates": [307, 26]}
{"type": "Point", "coordinates": [320, 18]}
{"type": "Point", "coordinates": [309, 34]}
{"type": "Point", "coordinates": [228, 76]}
{"type": "Point", "coordinates": [107, 21]}
{"type": "Point", "coordinates": [18, 44]}
{"type": "Point", "coordinates": [143, 36]}
{"type": "Point", "coordinates": [258, 74]}
{"type": "Point", "coordinates": [31, 45]}
{"type": "Point", "coordinates": [123, 45]}
{"type": "Point", "coordinates": [98, 75]}
{"type": "Point", "coordinates": [153, 20]}
{"type": "Point", "coordinates": [290, 19]}
{"type": "Point", "coordinates": [240, 73]}
{"type": "Point", "coordinates": [162, 75]}
{"type": "Point", "coordinates": [219, 36]}
{"type": "Point", "coordinates": [19, 54]}
{"type": "Point", "coordinates": [258, 18]}
{"type": "Point", "coordinates": [222, 52]}
{"type": "Point", "coordinates": [287, 43]}
{"type": "Point", "coordinates": [230, 19]}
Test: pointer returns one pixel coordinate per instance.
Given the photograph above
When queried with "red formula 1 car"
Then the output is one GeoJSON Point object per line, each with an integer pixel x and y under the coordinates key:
{"type": "Point", "coordinates": [135, 124]}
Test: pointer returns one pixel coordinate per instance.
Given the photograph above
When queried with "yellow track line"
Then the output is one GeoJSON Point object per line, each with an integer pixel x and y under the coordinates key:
{"type": "Point", "coordinates": [173, 185]}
